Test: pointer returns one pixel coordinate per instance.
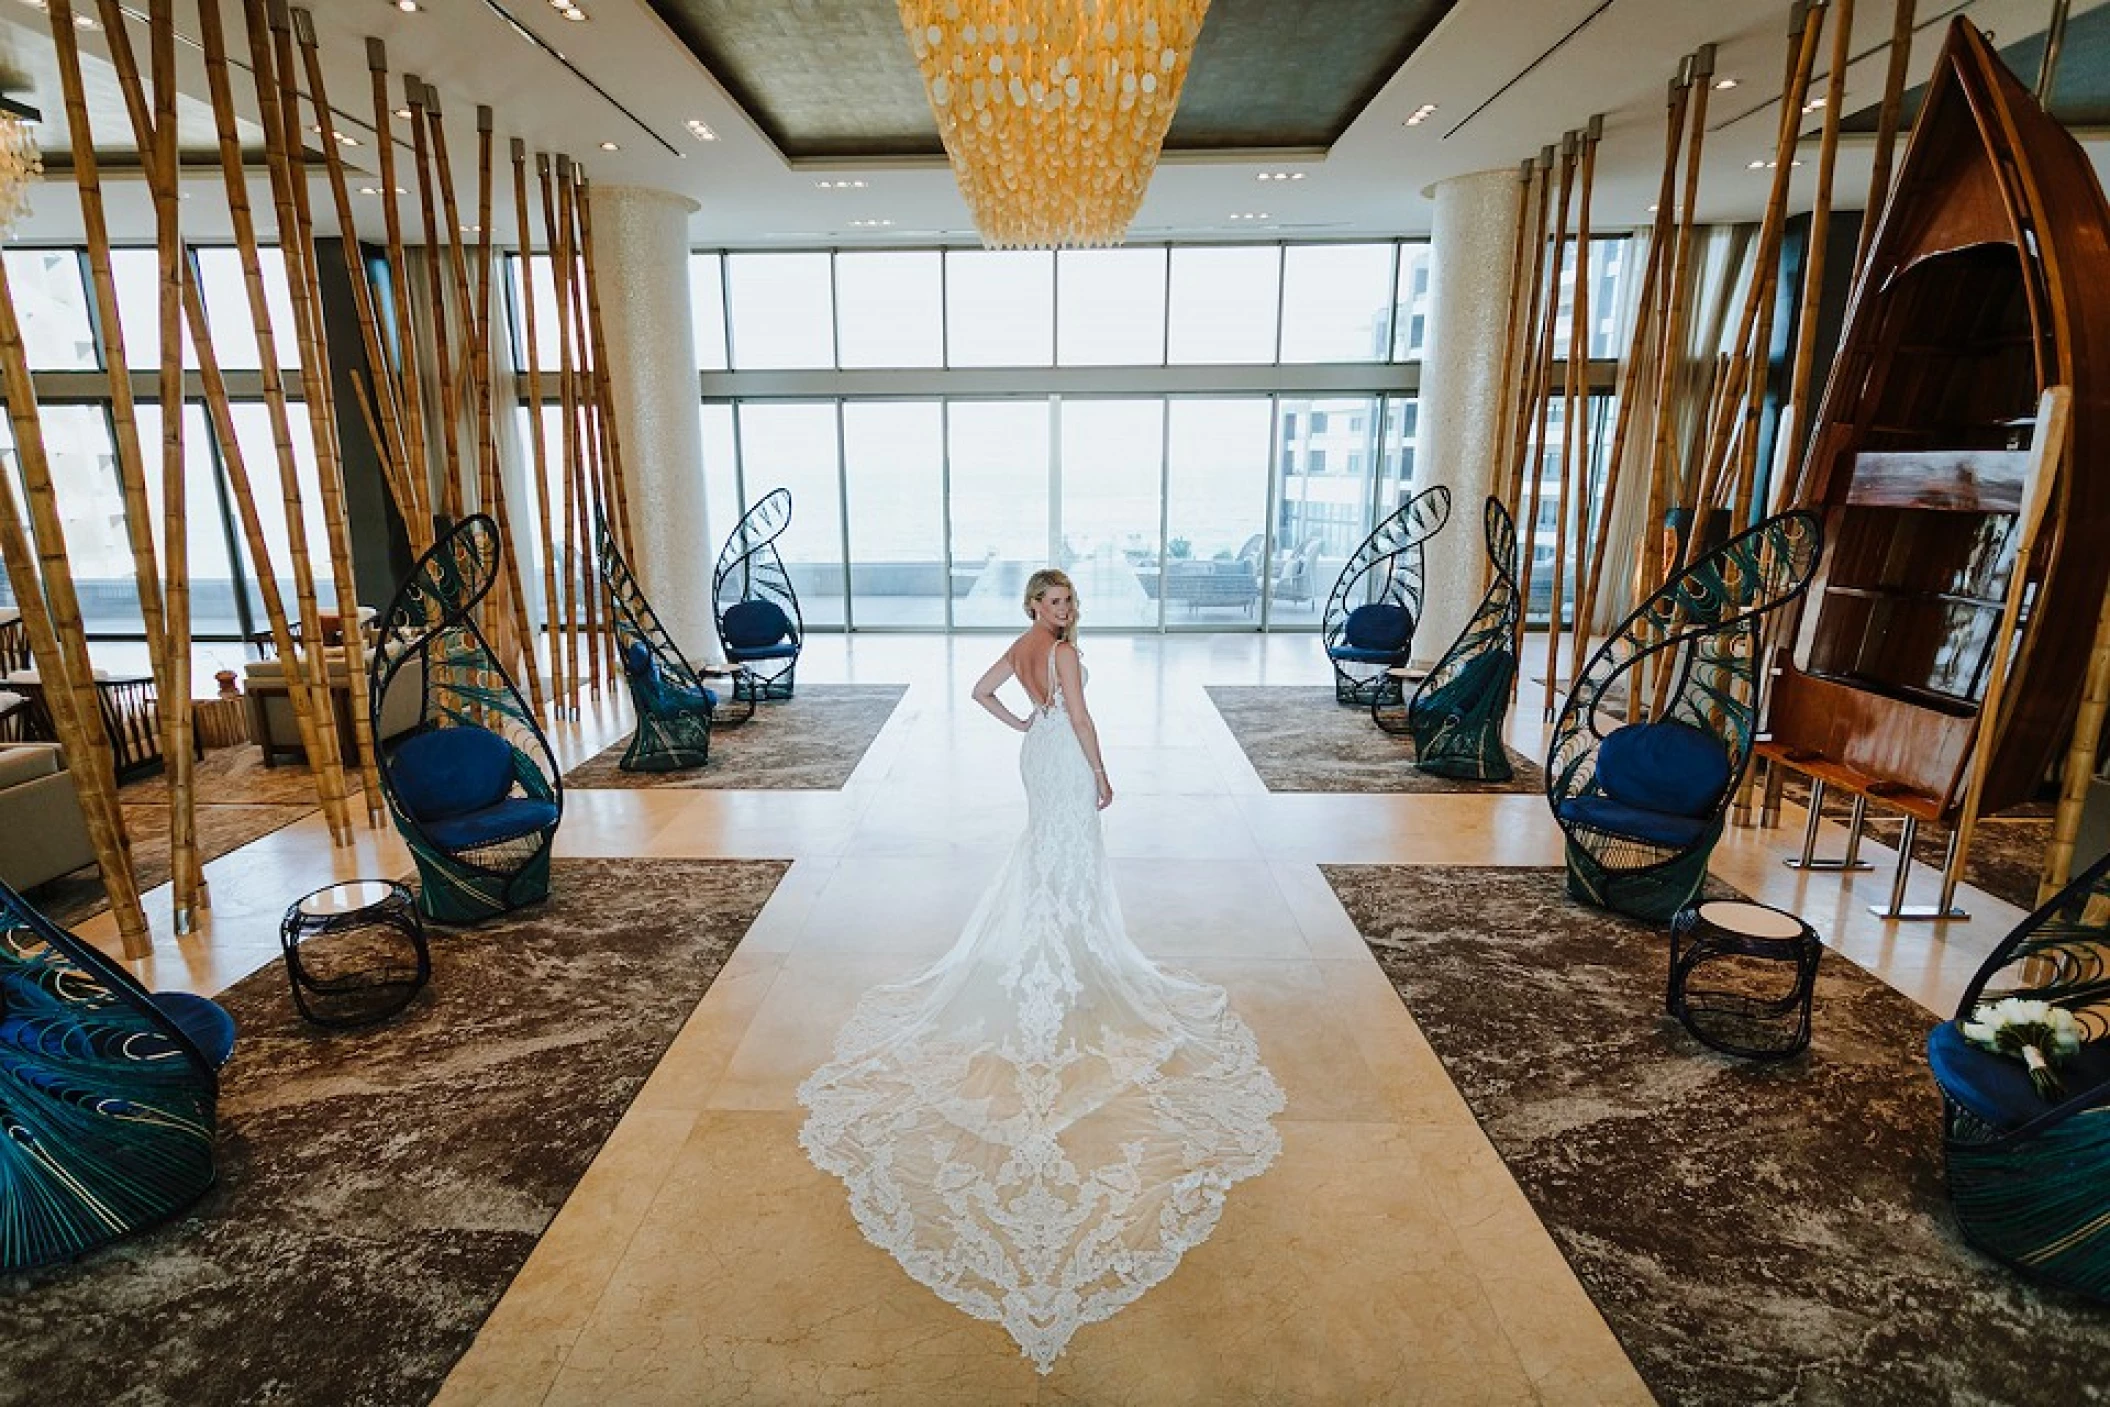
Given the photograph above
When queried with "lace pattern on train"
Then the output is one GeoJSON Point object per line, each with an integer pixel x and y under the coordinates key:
{"type": "Point", "coordinates": [1041, 1124]}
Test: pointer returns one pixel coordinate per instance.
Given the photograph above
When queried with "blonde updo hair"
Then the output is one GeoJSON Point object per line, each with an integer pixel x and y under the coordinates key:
{"type": "Point", "coordinates": [1041, 583]}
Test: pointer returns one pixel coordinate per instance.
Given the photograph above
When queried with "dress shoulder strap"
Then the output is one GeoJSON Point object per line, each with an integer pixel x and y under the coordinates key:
{"type": "Point", "coordinates": [1053, 682]}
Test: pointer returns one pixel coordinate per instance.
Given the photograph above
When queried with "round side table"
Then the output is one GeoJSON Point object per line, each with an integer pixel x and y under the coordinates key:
{"type": "Point", "coordinates": [1742, 977]}
{"type": "Point", "coordinates": [355, 952]}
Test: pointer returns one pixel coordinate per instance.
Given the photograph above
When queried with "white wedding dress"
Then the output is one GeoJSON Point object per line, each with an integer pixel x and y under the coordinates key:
{"type": "Point", "coordinates": [1042, 1123]}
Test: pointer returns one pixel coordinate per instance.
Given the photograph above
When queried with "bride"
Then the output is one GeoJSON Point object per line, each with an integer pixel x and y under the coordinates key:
{"type": "Point", "coordinates": [1039, 1125]}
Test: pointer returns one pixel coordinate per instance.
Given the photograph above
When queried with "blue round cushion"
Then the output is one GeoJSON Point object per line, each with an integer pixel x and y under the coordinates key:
{"type": "Point", "coordinates": [1674, 768]}
{"type": "Point", "coordinates": [1378, 627]}
{"type": "Point", "coordinates": [639, 662]}
{"type": "Point", "coordinates": [451, 771]}
{"type": "Point", "coordinates": [204, 1022]}
{"type": "Point", "coordinates": [752, 624]}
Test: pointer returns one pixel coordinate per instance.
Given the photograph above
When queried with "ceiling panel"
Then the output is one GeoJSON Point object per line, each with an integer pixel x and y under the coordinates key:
{"type": "Point", "coordinates": [837, 79]}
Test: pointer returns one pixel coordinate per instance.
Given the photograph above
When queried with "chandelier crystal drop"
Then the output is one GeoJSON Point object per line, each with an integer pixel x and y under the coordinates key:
{"type": "Point", "coordinates": [20, 163]}
{"type": "Point", "coordinates": [1053, 111]}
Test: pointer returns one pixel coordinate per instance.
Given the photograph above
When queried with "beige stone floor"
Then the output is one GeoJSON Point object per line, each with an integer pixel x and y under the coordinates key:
{"type": "Point", "coordinates": [1387, 1257]}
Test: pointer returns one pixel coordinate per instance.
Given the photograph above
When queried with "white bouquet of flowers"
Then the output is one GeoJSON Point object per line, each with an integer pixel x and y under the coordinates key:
{"type": "Point", "coordinates": [2040, 1034]}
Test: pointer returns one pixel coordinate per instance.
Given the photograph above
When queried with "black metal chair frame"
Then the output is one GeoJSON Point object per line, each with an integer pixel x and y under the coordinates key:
{"type": "Point", "coordinates": [1710, 619]}
{"type": "Point", "coordinates": [1444, 743]}
{"type": "Point", "coordinates": [666, 740]}
{"type": "Point", "coordinates": [750, 568]}
{"type": "Point", "coordinates": [1386, 570]}
{"type": "Point", "coordinates": [462, 684]}
{"type": "Point", "coordinates": [2037, 1196]}
{"type": "Point", "coordinates": [102, 1138]}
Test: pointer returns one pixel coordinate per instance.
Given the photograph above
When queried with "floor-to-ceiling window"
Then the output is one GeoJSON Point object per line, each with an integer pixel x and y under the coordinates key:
{"type": "Point", "coordinates": [66, 356]}
{"type": "Point", "coordinates": [1200, 434]}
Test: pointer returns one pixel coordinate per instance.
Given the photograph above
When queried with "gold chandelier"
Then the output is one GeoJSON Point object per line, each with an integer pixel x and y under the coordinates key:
{"type": "Point", "coordinates": [1053, 111]}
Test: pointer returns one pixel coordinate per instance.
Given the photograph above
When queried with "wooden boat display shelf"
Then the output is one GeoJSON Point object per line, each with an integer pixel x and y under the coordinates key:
{"type": "Point", "coordinates": [1988, 280]}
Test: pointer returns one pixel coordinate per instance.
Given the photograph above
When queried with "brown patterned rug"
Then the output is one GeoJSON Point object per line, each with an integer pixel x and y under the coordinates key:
{"type": "Point", "coordinates": [238, 799]}
{"type": "Point", "coordinates": [1299, 739]}
{"type": "Point", "coordinates": [811, 741]}
{"type": "Point", "coordinates": [2007, 851]}
{"type": "Point", "coordinates": [1753, 1234]}
{"type": "Point", "coordinates": [379, 1189]}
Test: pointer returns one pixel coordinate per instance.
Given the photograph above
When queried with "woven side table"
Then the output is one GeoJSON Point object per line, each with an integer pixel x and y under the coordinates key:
{"type": "Point", "coordinates": [355, 952]}
{"type": "Point", "coordinates": [1742, 977]}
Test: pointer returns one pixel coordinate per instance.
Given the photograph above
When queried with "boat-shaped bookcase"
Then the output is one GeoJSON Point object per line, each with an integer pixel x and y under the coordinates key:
{"type": "Point", "coordinates": [1988, 280]}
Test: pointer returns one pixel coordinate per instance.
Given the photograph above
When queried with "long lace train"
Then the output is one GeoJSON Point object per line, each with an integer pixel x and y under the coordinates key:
{"type": "Point", "coordinates": [1043, 1122]}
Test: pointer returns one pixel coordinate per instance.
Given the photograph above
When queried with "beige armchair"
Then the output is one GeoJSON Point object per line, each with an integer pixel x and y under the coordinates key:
{"type": "Point", "coordinates": [42, 832]}
{"type": "Point", "coordinates": [271, 722]}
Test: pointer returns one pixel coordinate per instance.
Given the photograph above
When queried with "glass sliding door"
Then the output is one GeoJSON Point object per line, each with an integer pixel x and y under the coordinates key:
{"type": "Point", "coordinates": [1216, 562]}
{"type": "Point", "coordinates": [793, 445]}
{"type": "Point", "coordinates": [999, 454]}
{"type": "Point", "coordinates": [1112, 457]}
{"type": "Point", "coordinates": [894, 472]}
{"type": "Point", "coordinates": [1325, 466]}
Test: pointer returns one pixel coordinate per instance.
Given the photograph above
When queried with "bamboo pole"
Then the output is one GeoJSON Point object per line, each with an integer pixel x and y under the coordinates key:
{"type": "Point", "coordinates": [450, 500]}
{"type": "Point", "coordinates": [600, 495]}
{"type": "Point", "coordinates": [156, 136]}
{"type": "Point", "coordinates": [514, 593]}
{"type": "Point", "coordinates": [316, 370]}
{"type": "Point", "coordinates": [1529, 352]}
{"type": "Point", "coordinates": [1575, 434]}
{"type": "Point", "coordinates": [2081, 756]}
{"type": "Point", "coordinates": [2047, 453]}
{"type": "Point", "coordinates": [381, 406]}
{"type": "Point", "coordinates": [604, 385]}
{"type": "Point", "coordinates": [51, 613]}
{"type": "Point", "coordinates": [417, 469]}
{"type": "Point", "coordinates": [1519, 262]}
{"type": "Point", "coordinates": [1772, 233]}
{"type": "Point", "coordinates": [568, 437]}
{"type": "Point", "coordinates": [1670, 350]}
{"type": "Point", "coordinates": [1535, 464]}
{"type": "Point", "coordinates": [306, 671]}
{"type": "Point", "coordinates": [580, 458]}
{"type": "Point", "coordinates": [1800, 389]}
{"type": "Point", "coordinates": [1646, 312]}
{"type": "Point", "coordinates": [1886, 131]}
{"type": "Point", "coordinates": [124, 412]}
{"type": "Point", "coordinates": [538, 449]}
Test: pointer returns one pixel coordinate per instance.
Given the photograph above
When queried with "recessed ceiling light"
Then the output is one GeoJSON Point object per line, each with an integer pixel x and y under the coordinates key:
{"type": "Point", "coordinates": [573, 13]}
{"type": "Point", "coordinates": [1652, 209]}
{"type": "Point", "coordinates": [1757, 166]}
{"type": "Point", "coordinates": [700, 130]}
{"type": "Point", "coordinates": [843, 185]}
{"type": "Point", "coordinates": [870, 224]}
{"type": "Point", "coordinates": [1723, 85]}
{"type": "Point", "coordinates": [1251, 215]}
{"type": "Point", "coordinates": [404, 113]}
{"type": "Point", "coordinates": [472, 229]}
{"type": "Point", "coordinates": [610, 146]}
{"type": "Point", "coordinates": [408, 7]}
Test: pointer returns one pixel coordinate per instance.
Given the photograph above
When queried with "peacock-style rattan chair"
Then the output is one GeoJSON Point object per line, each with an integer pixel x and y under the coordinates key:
{"type": "Point", "coordinates": [1371, 612]}
{"type": "Point", "coordinates": [108, 1094]}
{"type": "Point", "coordinates": [1642, 806]}
{"type": "Point", "coordinates": [675, 710]}
{"type": "Point", "coordinates": [473, 786]}
{"type": "Point", "coordinates": [1455, 713]}
{"type": "Point", "coordinates": [758, 612]}
{"type": "Point", "coordinates": [2030, 1176]}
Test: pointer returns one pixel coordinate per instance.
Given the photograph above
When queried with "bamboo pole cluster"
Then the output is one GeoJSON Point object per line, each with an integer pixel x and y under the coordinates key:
{"type": "Point", "coordinates": [284, 66]}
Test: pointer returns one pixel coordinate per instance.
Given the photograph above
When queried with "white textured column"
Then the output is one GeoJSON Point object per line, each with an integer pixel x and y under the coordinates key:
{"type": "Point", "coordinates": [1458, 433]}
{"type": "Point", "coordinates": [641, 258]}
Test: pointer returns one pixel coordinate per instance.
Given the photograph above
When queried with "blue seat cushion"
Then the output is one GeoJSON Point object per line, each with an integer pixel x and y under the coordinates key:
{"type": "Point", "coordinates": [656, 693]}
{"type": "Point", "coordinates": [1378, 627]}
{"type": "Point", "coordinates": [1615, 817]}
{"type": "Point", "coordinates": [205, 1022]}
{"type": "Point", "coordinates": [752, 625]}
{"type": "Point", "coordinates": [510, 819]}
{"type": "Point", "coordinates": [1674, 768]}
{"type": "Point", "coordinates": [1996, 1087]}
{"type": "Point", "coordinates": [451, 771]}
